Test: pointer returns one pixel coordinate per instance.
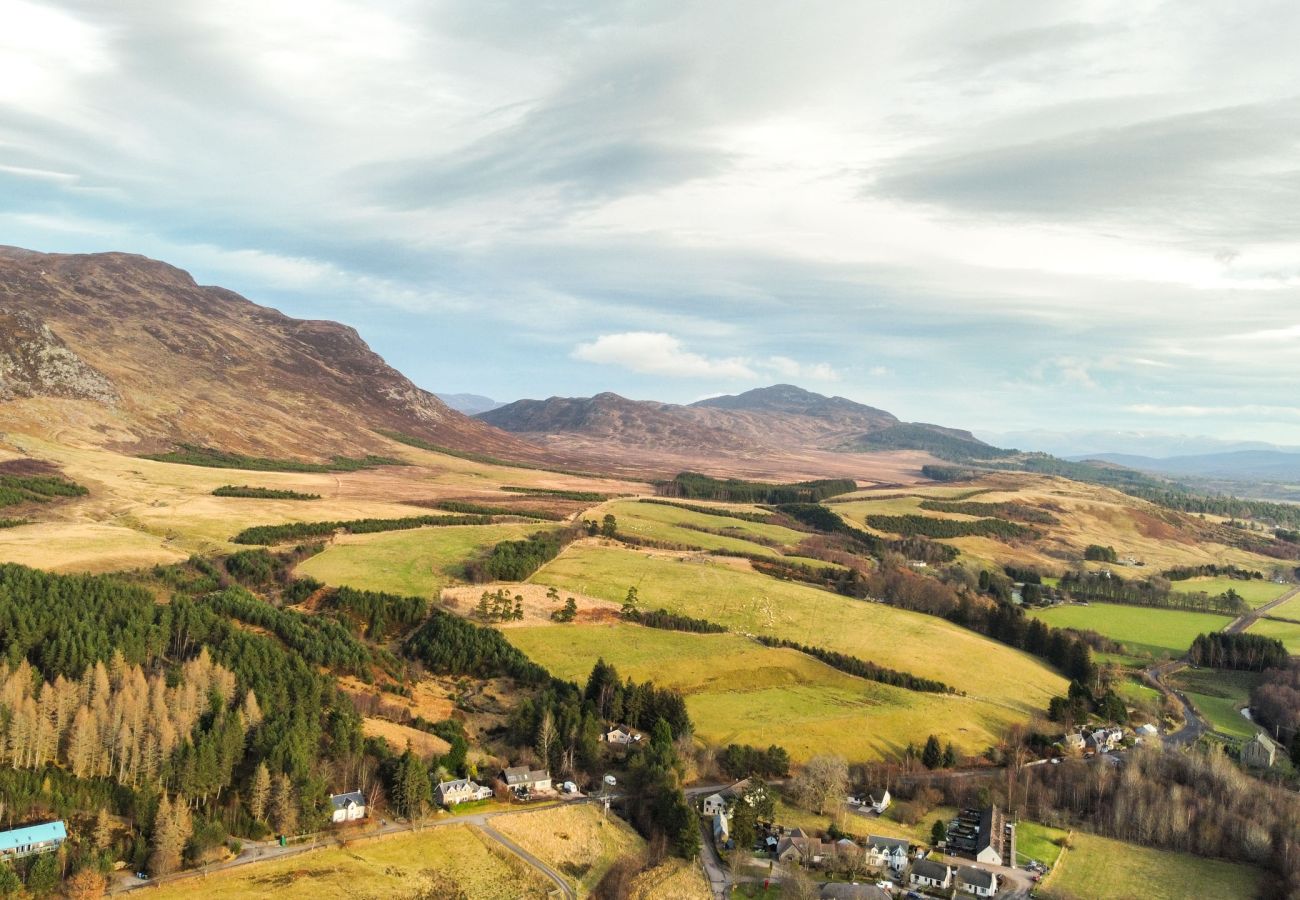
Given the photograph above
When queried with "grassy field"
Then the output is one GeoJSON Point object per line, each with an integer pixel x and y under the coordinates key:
{"type": "Point", "coordinates": [142, 511]}
{"type": "Point", "coordinates": [419, 562]}
{"type": "Point", "coordinates": [1039, 842]}
{"type": "Point", "coordinates": [672, 879]}
{"type": "Point", "coordinates": [670, 523]}
{"type": "Point", "coordinates": [740, 691]}
{"type": "Point", "coordinates": [1288, 610]}
{"type": "Point", "coordinates": [1254, 592]}
{"type": "Point", "coordinates": [1143, 631]}
{"type": "Point", "coordinates": [1219, 695]}
{"type": "Point", "coordinates": [440, 860]}
{"type": "Point", "coordinates": [748, 602]}
{"type": "Point", "coordinates": [576, 841]}
{"type": "Point", "coordinates": [1286, 632]}
{"type": "Point", "coordinates": [1099, 868]}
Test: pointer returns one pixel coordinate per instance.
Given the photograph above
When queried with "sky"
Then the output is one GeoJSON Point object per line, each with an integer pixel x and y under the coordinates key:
{"type": "Point", "coordinates": [1002, 216]}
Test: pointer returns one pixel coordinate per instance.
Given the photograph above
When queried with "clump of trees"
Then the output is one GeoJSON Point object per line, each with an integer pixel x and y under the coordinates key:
{"type": "Point", "coordinates": [380, 616]}
{"type": "Point", "coordinates": [742, 761]}
{"type": "Point", "coordinates": [516, 560]}
{"type": "Point", "coordinates": [1019, 512]}
{"type": "Point", "coordinates": [261, 493]}
{"type": "Point", "coordinates": [292, 531]}
{"type": "Point", "coordinates": [931, 527]}
{"type": "Point", "coordinates": [498, 606]}
{"type": "Point", "coordinates": [694, 486]}
{"type": "Point", "coordinates": [1100, 553]}
{"type": "Point", "coordinates": [17, 489]}
{"type": "Point", "coordinates": [1251, 652]}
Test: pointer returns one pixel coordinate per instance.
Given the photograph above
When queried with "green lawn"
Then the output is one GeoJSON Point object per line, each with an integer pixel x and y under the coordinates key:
{"type": "Point", "coordinates": [1143, 631]}
{"type": "Point", "coordinates": [419, 562]}
{"type": "Point", "coordinates": [1286, 632]}
{"type": "Point", "coordinates": [1040, 842]}
{"type": "Point", "coordinates": [1219, 695]}
{"type": "Point", "coordinates": [1254, 592]}
{"type": "Point", "coordinates": [739, 691]}
{"type": "Point", "coordinates": [1097, 868]}
{"type": "Point", "coordinates": [750, 603]}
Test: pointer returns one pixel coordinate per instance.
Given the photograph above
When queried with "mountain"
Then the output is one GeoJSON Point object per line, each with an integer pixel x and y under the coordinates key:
{"type": "Point", "coordinates": [1241, 465]}
{"type": "Point", "coordinates": [123, 351]}
{"type": "Point", "coordinates": [780, 430]}
{"type": "Point", "coordinates": [470, 404]}
{"type": "Point", "coordinates": [1096, 443]}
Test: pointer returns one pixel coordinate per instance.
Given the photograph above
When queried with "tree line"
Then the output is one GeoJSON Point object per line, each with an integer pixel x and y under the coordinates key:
{"type": "Point", "coordinates": [292, 531]}
{"type": "Point", "coordinates": [1155, 592]}
{"type": "Point", "coordinates": [484, 509]}
{"type": "Point", "coordinates": [516, 560]}
{"type": "Point", "coordinates": [861, 667]}
{"type": "Point", "coordinates": [261, 493]}
{"type": "Point", "coordinates": [1019, 512]}
{"type": "Point", "coordinates": [694, 486]}
{"type": "Point", "coordinates": [662, 618]}
{"type": "Point", "coordinates": [931, 527]}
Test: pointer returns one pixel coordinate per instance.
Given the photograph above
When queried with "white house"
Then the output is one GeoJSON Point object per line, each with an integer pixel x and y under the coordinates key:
{"type": "Point", "coordinates": [886, 852]}
{"type": "Point", "coordinates": [462, 790]}
{"type": "Point", "coordinates": [521, 777]}
{"type": "Point", "coordinates": [980, 882]}
{"type": "Point", "coordinates": [928, 873]}
{"type": "Point", "coordinates": [723, 799]}
{"type": "Point", "coordinates": [882, 803]}
{"type": "Point", "coordinates": [347, 807]}
{"type": "Point", "coordinates": [43, 838]}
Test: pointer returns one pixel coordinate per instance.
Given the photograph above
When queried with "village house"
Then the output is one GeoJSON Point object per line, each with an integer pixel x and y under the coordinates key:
{"type": "Point", "coordinates": [347, 807]}
{"type": "Point", "coordinates": [462, 790]}
{"type": "Point", "coordinates": [980, 882]}
{"type": "Point", "coordinates": [798, 847]}
{"type": "Point", "coordinates": [522, 778]}
{"type": "Point", "coordinates": [726, 798]}
{"type": "Point", "coordinates": [1259, 752]}
{"type": "Point", "coordinates": [928, 873]}
{"type": "Point", "coordinates": [1104, 739]}
{"type": "Point", "coordinates": [43, 838]}
{"type": "Point", "coordinates": [1073, 742]}
{"type": "Point", "coordinates": [886, 852]}
{"type": "Point", "coordinates": [879, 805]}
{"type": "Point", "coordinates": [983, 835]}
{"type": "Point", "coordinates": [618, 737]}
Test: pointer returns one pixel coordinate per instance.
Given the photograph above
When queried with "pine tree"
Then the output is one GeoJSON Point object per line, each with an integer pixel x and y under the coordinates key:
{"type": "Point", "coordinates": [168, 843]}
{"type": "Point", "coordinates": [932, 755]}
{"type": "Point", "coordinates": [259, 792]}
{"type": "Point", "coordinates": [284, 811]}
{"type": "Point", "coordinates": [103, 830]}
{"type": "Point", "coordinates": [949, 756]}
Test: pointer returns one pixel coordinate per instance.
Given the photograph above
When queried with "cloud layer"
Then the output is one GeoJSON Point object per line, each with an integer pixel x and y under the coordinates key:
{"type": "Point", "coordinates": [996, 215]}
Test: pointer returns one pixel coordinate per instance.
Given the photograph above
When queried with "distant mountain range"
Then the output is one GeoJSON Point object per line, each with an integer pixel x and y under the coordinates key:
{"type": "Point", "coordinates": [470, 404]}
{"type": "Point", "coordinates": [1240, 465]}
{"type": "Point", "coordinates": [1096, 443]}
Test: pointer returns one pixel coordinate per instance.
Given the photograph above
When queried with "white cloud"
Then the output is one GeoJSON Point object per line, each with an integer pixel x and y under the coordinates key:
{"type": "Point", "coordinates": [657, 353]}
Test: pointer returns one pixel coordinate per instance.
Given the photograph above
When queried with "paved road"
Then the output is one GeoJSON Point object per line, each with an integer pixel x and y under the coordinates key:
{"type": "Point", "coordinates": [560, 881]}
{"type": "Point", "coordinates": [1241, 623]}
{"type": "Point", "coordinates": [715, 870]}
{"type": "Point", "coordinates": [1193, 724]}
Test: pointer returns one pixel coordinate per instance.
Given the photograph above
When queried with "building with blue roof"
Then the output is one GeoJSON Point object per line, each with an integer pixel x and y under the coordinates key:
{"type": "Point", "coordinates": [43, 838]}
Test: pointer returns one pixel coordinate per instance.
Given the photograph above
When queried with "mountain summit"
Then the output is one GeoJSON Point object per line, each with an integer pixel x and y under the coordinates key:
{"type": "Point", "coordinates": [120, 350]}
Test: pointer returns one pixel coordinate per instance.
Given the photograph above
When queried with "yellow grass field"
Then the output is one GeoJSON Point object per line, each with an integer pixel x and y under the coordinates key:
{"type": "Point", "coordinates": [418, 562]}
{"type": "Point", "coordinates": [747, 602]}
{"type": "Point", "coordinates": [671, 523]}
{"type": "Point", "coordinates": [421, 743]}
{"type": "Point", "coordinates": [455, 857]}
{"type": "Point", "coordinates": [140, 511]}
{"type": "Point", "coordinates": [580, 842]}
{"type": "Point", "coordinates": [672, 879]}
{"type": "Point", "coordinates": [1098, 868]}
{"type": "Point", "coordinates": [740, 691]}
{"type": "Point", "coordinates": [1087, 514]}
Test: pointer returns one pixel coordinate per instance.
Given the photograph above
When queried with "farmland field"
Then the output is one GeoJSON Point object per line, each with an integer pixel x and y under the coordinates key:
{"type": "Point", "coordinates": [1099, 868]}
{"type": "Point", "coordinates": [1039, 842]}
{"type": "Point", "coordinates": [748, 602]}
{"type": "Point", "coordinates": [1219, 695]}
{"type": "Point", "coordinates": [447, 860]}
{"type": "Point", "coordinates": [419, 562]}
{"type": "Point", "coordinates": [740, 691]}
{"type": "Point", "coordinates": [576, 841]}
{"type": "Point", "coordinates": [1286, 632]}
{"type": "Point", "coordinates": [1142, 630]}
{"type": "Point", "coordinates": [1255, 592]}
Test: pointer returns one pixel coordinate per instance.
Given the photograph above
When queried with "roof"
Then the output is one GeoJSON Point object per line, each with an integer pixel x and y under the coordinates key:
{"type": "Point", "coordinates": [928, 868]}
{"type": "Point", "coordinates": [887, 844]}
{"type": "Point", "coordinates": [1265, 741]}
{"type": "Point", "coordinates": [460, 784]}
{"type": "Point", "coordinates": [33, 834]}
{"type": "Point", "coordinates": [339, 801]}
{"type": "Point", "coordinates": [977, 877]}
{"type": "Point", "coordinates": [524, 775]}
